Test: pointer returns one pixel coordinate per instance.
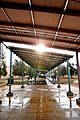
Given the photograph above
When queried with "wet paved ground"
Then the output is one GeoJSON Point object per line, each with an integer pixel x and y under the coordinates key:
{"type": "Point", "coordinates": [39, 102]}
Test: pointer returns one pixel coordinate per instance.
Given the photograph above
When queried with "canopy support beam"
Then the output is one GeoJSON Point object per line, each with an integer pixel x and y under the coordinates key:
{"type": "Point", "coordinates": [10, 93]}
{"type": "Point", "coordinates": [69, 93]}
{"type": "Point", "coordinates": [22, 74]}
{"type": "Point", "coordinates": [78, 69]}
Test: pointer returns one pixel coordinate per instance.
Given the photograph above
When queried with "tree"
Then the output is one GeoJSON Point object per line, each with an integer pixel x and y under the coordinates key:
{"type": "Point", "coordinates": [54, 72]}
{"type": "Point", "coordinates": [32, 72]}
{"type": "Point", "coordinates": [0, 72]}
{"type": "Point", "coordinates": [4, 72]}
{"type": "Point", "coordinates": [72, 70]}
{"type": "Point", "coordinates": [62, 70]}
{"type": "Point", "coordinates": [17, 68]}
{"type": "Point", "coordinates": [1, 58]}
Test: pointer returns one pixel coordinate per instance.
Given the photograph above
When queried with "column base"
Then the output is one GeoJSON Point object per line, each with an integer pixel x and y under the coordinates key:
{"type": "Point", "coordinates": [22, 86]}
{"type": "Point", "coordinates": [70, 94]}
{"type": "Point", "coordinates": [58, 86]}
{"type": "Point", "coordinates": [10, 94]}
{"type": "Point", "coordinates": [78, 101]}
{"type": "Point", "coordinates": [0, 102]}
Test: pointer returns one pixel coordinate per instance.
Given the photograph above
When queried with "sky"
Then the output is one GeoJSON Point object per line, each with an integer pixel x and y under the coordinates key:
{"type": "Point", "coordinates": [7, 52]}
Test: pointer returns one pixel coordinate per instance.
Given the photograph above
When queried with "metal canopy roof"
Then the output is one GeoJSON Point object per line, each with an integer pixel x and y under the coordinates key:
{"type": "Point", "coordinates": [56, 23]}
{"type": "Point", "coordinates": [42, 62]}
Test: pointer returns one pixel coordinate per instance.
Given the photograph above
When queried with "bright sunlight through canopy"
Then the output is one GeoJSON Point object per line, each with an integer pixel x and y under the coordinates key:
{"type": "Point", "coordinates": [40, 48]}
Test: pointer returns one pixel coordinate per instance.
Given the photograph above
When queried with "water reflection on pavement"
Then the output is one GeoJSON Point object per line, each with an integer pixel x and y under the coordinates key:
{"type": "Point", "coordinates": [35, 101]}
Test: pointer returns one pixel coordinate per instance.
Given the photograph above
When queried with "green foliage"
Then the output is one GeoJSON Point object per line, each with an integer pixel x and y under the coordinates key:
{"type": "Point", "coordinates": [0, 72]}
{"type": "Point", "coordinates": [61, 71]}
{"type": "Point", "coordinates": [32, 72]}
{"type": "Point", "coordinates": [72, 70]}
{"type": "Point", "coordinates": [54, 72]}
{"type": "Point", "coordinates": [4, 72]}
{"type": "Point", "coordinates": [2, 61]}
{"type": "Point", "coordinates": [3, 69]}
{"type": "Point", "coordinates": [17, 68]}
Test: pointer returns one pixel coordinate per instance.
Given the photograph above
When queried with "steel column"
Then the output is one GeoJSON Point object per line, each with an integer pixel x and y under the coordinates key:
{"type": "Point", "coordinates": [69, 93]}
{"type": "Point", "coordinates": [68, 69]}
{"type": "Point", "coordinates": [10, 93]}
{"type": "Point", "coordinates": [22, 74]}
{"type": "Point", "coordinates": [78, 68]}
{"type": "Point", "coordinates": [0, 58]}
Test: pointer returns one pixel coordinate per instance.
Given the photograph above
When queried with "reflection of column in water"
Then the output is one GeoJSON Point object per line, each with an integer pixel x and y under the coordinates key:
{"type": "Point", "coordinates": [21, 99]}
{"type": "Point", "coordinates": [59, 95]}
{"type": "Point", "coordinates": [22, 102]}
{"type": "Point", "coordinates": [70, 108]}
{"type": "Point", "coordinates": [70, 103]}
{"type": "Point", "coordinates": [9, 100]}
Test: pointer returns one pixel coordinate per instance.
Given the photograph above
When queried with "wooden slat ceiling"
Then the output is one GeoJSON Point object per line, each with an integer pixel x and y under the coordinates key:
{"type": "Point", "coordinates": [42, 62]}
{"type": "Point", "coordinates": [55, 23]}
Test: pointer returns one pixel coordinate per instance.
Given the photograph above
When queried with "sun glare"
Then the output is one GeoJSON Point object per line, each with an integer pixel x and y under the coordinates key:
{"type": "Point", "coordinates": [40, 48]}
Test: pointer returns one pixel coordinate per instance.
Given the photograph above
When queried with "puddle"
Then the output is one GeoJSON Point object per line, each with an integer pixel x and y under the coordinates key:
{"type": "Point", "coordinates": [72, 114]}
{"type": "Point", "coordinates": [42, 89]}
{"type": "Point", "coordinates": [15, 102]}
{"type": "Point", "coordinates": [28, 90]}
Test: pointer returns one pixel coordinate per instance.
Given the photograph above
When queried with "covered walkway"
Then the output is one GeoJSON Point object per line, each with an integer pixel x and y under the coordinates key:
{"type": "Point", "coordinates": [39, 102]}
{"type": "Point", "coordinates": [55, 24]}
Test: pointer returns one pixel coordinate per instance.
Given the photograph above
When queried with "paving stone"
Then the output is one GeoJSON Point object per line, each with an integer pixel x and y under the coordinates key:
{"type": "Point", "coordinates": [37, 102]}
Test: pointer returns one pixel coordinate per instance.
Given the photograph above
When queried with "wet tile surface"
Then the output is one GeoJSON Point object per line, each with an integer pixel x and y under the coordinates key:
{"type": "Point", "coordinates": [38, 102]}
